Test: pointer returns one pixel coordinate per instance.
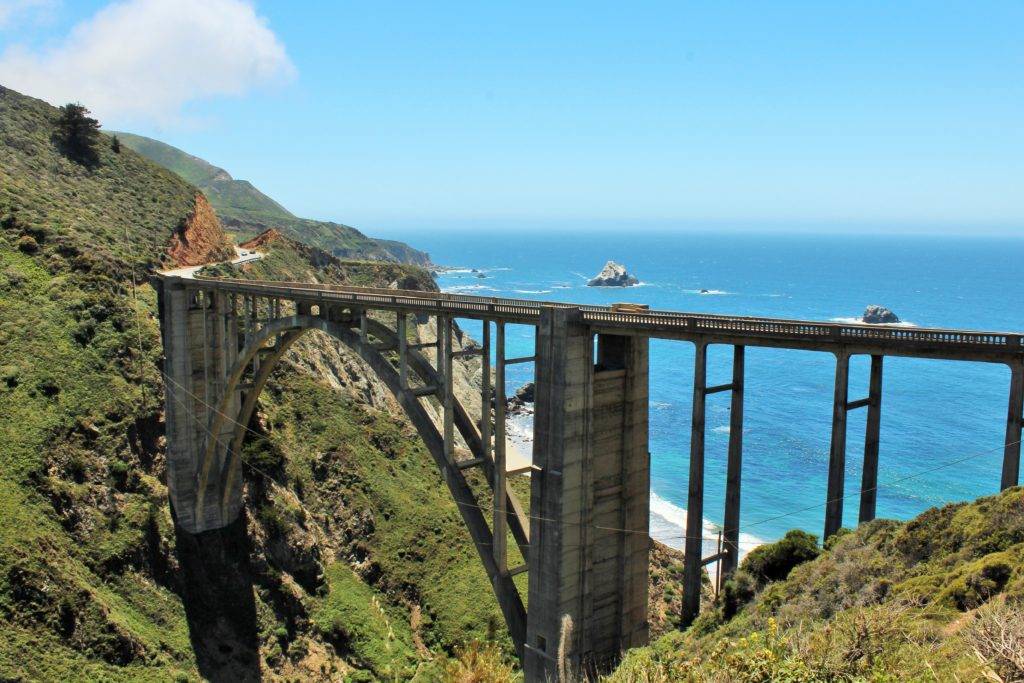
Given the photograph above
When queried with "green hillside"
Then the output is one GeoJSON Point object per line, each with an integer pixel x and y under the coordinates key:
{"type": "Point", "coordinates": [248, 211]}
{"type": "Point", "coordinates": [85, 534]}
{"type": "Point", "coordinates": [937, 598]}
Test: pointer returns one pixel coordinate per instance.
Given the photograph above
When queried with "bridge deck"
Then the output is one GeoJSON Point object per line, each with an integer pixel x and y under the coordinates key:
{"type": "Point", "coordinates": [889, 340]}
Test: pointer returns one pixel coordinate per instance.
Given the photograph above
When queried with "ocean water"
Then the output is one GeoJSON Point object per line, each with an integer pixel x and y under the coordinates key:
{"type": "Point", "coordinates": [933, 412]}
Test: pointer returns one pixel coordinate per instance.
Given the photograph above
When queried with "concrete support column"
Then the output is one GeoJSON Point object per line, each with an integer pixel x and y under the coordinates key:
{"type": "Point", "coordinates": [1011, 451]}
{"type": "Point", "coordinates": [733, 476]}
{"type": "Point", "coordinates": [590, 447]}
{"type": "Point", "coordinates": [403, 350]}
{"type": "Point", "coordinates": [693, 547]}
{"type": "Point", "coordinates": [837, 453]}
{"type": "Point", "coordinates": [486, 393]}
{"type": "Point", "coordinates": [224, 506]}
{"type": "Point", "coordinates": [498, 485]}
{"type": "Point", "coordinates": [869, 480]}
{"type": "Point", "coordinates": [179, 409]}
{"type": "Point", "coordinates": [446, 361]}
{"type": "Point", "coordinates": [621, 503]}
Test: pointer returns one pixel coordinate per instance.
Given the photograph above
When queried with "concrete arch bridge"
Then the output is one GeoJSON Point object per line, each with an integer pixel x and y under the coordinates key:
{"type": "Point", "coordinates": [586, 543]}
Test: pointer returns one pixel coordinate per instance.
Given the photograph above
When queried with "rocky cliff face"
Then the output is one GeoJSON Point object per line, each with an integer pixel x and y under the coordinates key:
{"type": "Point", "coordinates": [199, 238]}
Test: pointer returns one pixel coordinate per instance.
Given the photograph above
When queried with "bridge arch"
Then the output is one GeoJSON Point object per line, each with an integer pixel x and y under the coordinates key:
{"type": "Point", "coordinates": [216, 490]}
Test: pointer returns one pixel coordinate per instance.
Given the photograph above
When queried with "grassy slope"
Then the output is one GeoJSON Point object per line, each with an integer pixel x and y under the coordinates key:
{"type": "Point", "coordinates": [232, 198]}
{"type": "Point", "coordinates": [888, 601]}
{"type": "Point", "coordinates": [78, 400]}
{"type": "Point", "coordinates": [247, 210]}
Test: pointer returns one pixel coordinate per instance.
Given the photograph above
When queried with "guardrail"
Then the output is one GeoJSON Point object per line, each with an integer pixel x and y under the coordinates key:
{"type": "Point", "coordinates": [651, 322]}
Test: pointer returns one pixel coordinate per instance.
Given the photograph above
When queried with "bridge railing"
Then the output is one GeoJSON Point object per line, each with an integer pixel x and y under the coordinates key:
{"type": "Point", "coordinates": [647, 321]}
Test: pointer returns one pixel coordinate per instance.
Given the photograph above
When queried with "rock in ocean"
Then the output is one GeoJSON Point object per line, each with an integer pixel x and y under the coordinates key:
{"type": "Point", "coordinates": [613, 275]}
{"type": "Point", "coordinates": [879, 314]}
{"type": "Point", "coordinates": [524, 397]}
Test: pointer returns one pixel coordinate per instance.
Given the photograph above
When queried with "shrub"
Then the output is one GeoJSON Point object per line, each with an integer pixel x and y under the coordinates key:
{"type": "Point", "coordinates": [774, 561]}
{"type": "Point", "coordinates": [479, 663]}
{"type": "Point", "coordinates": [263, 456]}
{"type": "Point", "coordinates": [737, 591]}
{"type": "Point", "coordinates": [274, 521]}
{"type": "Point", "coordinates": [981, 584]}
{"type": "Point", "coordinates": [119, 471]}
{"type": "Point", "coordinates": [9, 375]}
{"type": "Point", "coordinates": [27, 244]}
{"type": "Point", "coordinates": [765, 564]}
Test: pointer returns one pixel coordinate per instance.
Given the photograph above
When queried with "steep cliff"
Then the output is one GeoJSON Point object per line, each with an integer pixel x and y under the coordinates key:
{"type": "Point", "coordinates": [199, 238]}
{"type": "Point", "coordinates": [89, 581]}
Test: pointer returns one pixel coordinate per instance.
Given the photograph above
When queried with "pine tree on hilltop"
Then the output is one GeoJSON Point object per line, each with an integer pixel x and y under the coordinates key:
{"type": "Point", "coordinates": [78, 134]}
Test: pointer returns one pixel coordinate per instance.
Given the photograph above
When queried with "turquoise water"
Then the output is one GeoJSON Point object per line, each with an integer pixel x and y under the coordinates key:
{"type": "Point", "coordinates": [933, 412]}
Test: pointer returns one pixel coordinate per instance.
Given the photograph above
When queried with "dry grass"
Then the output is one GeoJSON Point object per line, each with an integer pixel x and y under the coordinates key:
{"type": "Point", "coordinates": [996, 637]}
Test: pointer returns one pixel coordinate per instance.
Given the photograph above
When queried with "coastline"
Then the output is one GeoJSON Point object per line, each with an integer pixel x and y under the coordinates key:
{"type": "Point", "coordinates": [667, 520]}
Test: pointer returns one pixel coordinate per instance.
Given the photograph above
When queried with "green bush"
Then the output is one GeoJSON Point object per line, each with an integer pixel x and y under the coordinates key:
{"type": "Point", "coordinates": [274, 521]}
{"type": "Point", "coordinates": [774, 561]}
{"type": "Point", "coordinates": [27, 244]}
{"type": "Point", "coordinates": [980, 583]}
{"type": "Point", "coordinates": [737, 591]}
{"type": "Point", "coordinates": [765, 564]}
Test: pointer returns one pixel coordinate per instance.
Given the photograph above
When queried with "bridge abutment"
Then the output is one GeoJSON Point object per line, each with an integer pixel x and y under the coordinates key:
{"type": "Point", "coordinates": [200, 338]}
{"type": "Point", "coordinates": [589, 522]}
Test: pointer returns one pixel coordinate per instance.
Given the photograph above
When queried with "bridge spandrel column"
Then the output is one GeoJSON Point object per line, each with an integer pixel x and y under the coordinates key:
{"type": "Point", "coordinates": [589, 528]}
{"type": "Point", "coordinates": [837, 450]}
{"type": "Point", "coordinates": [222, 507]}
{"type": "Point", "coordinates": [1015, 415]}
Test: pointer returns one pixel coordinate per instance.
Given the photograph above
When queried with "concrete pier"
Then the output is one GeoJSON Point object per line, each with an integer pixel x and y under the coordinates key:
{"type": "Point", "coordinates": [590, 544]}
{"type": "Point", "coordinates": [200, 337]}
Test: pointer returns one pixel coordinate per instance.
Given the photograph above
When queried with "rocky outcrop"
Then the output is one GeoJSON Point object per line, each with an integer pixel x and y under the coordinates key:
{"type": "Point", "coordinates": [262, 240]}
{"type": "Point", "coordinates": [879, 314]}
{"type": "Point", "coordinates": [200, 239]}
{"type": "Point", "coordinates": [523, 399]}
{"type": "Point", "coordinates": [613, 275]}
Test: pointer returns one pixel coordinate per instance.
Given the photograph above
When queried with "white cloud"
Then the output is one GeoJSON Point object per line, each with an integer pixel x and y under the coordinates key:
{"type": "Point", "coordinates": [143, 60]}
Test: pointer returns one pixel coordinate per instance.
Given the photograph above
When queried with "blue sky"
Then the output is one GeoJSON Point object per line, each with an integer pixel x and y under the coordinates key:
{"type": "Point", "coordinates": [388, 116]}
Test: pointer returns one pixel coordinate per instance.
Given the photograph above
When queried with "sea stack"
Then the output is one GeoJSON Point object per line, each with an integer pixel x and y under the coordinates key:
{"type": "Point", "coordinates": [879, 314]}
{"type": "Point", "coordinates": [613, 275]}
{"type": "Point", "coordinates": [522, 401]}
